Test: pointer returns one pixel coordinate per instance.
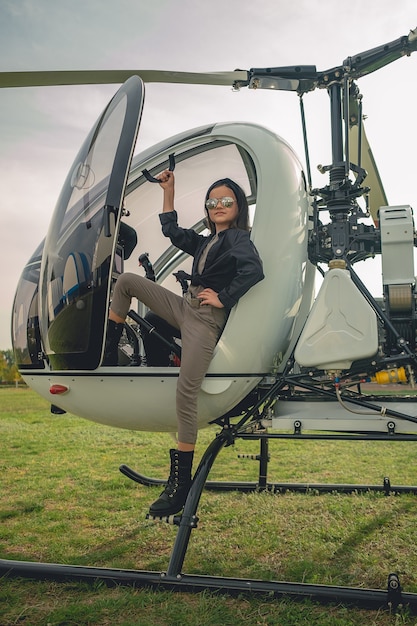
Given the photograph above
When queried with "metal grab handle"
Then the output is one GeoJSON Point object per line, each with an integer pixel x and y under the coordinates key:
{"type": "Point", "coordinates": [151, 178]}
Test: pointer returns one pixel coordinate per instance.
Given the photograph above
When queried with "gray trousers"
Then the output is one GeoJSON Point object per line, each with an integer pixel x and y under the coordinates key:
{"type": "Point", "coordinates": [200, 327]}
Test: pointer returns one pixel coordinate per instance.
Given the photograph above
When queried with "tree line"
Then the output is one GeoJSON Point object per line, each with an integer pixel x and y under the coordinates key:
{"type": "Point", "coordinates": [8, 370]}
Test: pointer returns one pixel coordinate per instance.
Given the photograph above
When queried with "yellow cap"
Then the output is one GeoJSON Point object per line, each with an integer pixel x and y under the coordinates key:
{"type": "Point", "coordinates": [386, 377]}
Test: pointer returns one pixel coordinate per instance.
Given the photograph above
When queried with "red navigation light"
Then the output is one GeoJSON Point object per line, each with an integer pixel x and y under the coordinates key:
{"type": "Point", "coordinates": [57, 390]}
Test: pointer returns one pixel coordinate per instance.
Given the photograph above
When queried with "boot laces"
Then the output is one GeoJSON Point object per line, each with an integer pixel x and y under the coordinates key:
{"type": "Point", "coordinates": [172, 485]}
{"type": "Point", "coordinates": [175, 482]}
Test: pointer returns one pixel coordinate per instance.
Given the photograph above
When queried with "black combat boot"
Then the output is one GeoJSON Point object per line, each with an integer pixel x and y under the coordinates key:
{"type": "Point", "coordinates": [114, 332]}
{"type": "Point", "coordinates": [173, 498]}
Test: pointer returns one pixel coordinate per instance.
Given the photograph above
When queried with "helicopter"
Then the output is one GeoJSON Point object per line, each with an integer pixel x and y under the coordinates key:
{"type": "Point", "coordinates": [288, 360]}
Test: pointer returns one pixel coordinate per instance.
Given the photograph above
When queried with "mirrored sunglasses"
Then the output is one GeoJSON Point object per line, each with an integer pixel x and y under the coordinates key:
{"type": "Point", "coordinates": [226, 202]}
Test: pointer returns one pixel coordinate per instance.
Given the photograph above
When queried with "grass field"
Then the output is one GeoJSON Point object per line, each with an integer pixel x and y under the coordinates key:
{"type": "Point", "coordinates": [64, 501]}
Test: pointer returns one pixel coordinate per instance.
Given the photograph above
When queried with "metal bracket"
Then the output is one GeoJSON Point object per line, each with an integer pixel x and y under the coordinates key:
{"type": "Point", "coordinates": [394, 592]}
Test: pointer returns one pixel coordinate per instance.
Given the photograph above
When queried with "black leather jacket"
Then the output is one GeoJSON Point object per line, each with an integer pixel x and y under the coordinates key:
{"type": "Point", "coordinates": [233, 264]}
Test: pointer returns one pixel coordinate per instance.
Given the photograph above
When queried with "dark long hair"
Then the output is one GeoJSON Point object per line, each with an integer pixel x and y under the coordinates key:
{"type": "Point", "coordinates": [242, 219]}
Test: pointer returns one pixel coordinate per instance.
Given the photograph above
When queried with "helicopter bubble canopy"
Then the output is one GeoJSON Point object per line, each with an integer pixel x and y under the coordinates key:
{"type": "Point", "coordinates": [79, 247]}
{"type": "Point", "coordinates": [270, 174]}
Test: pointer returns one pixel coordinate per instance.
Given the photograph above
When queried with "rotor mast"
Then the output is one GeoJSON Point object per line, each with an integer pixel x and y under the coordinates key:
{"type": "Point", "coordinates": [343, 238]}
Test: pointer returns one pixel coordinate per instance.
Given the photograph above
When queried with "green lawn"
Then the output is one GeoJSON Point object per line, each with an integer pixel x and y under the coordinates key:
{"type": "Point", "coordinates": [65, 501]}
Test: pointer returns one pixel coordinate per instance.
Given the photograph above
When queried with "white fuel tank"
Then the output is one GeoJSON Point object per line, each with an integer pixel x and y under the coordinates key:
{"type": "Point", "coordinates": [341, 327]}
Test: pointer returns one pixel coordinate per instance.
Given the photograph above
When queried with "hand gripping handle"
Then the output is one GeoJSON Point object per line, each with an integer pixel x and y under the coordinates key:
{"type": "Point", "coordinates": [151, 178]}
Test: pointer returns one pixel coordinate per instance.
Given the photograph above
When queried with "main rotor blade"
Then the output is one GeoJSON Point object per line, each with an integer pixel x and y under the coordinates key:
{"type": "Point", "coordinates": [377, 197]}
{"type": "Point", "coordinates": [98, 77]}
{"type": "Point", "coordinates": [371, 60]}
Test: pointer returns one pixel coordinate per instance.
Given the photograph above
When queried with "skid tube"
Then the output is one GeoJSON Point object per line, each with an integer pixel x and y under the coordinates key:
{"type": "Point", "coordinates": [174, 579]}
{"type": "Point", "coordinates": [262, 484]}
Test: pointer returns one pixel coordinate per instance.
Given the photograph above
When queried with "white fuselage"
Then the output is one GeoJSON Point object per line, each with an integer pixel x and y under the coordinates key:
{"type": "Point", "coordinates": [260, 327]}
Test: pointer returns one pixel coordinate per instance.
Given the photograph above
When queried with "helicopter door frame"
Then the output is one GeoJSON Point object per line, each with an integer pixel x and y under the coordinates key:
{"type": "Point", "coordinates": [78, 257]}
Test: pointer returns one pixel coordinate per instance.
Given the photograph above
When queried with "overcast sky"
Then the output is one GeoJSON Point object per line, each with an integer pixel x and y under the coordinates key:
{"type": "Point", "coordinates": [42, 128]}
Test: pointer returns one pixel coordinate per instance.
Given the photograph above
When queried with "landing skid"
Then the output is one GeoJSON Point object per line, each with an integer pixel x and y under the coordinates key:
{"type": "Point", "coordinates": [262, 483]}
{"type": "Point", "coordinates": [174, 579]}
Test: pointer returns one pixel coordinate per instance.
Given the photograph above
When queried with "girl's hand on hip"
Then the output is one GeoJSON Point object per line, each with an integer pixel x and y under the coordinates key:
{"type": "Point", "coordinates": [208, 296]}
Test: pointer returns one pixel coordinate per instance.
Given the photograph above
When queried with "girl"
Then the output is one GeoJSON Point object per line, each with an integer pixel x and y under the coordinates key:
{"type": "Point", "coordinates": [226, 265]}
